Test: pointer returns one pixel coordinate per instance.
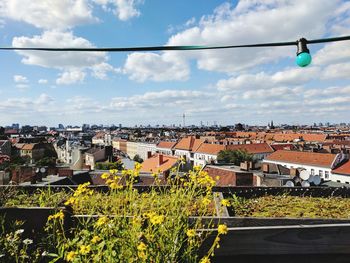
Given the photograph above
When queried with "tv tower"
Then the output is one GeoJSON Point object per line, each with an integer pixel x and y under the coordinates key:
{"type": "Point", "coordinates": [183, 120]}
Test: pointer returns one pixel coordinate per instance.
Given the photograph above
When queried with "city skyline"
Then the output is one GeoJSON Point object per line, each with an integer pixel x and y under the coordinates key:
{"type": "Point", "coordinates": [251, 86]}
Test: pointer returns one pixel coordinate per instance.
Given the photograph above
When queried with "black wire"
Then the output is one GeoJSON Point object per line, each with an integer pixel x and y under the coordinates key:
{"type": "Point", "coordinates": [163, 48]}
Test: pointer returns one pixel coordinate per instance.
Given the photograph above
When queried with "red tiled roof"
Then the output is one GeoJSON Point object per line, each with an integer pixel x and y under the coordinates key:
{"type": "Point", "coordinates": [343, 169]}
{"type": "Point", "coordinates": [165, 144]}
{"type": "Point", "coordinates": [307, 158]}
{"type": "Point", "coordinates": [253, 148]}
{"type": "Point", "coordinates": [189, 143]}
{"type": "Point", "coordinates": [159, 162]}
{"type": "Point", "coordinates": [208, 148]}
{"type": "Point", "coordinates": [282, 146]}
{"type": "Point", "coordinates": [28, 146]}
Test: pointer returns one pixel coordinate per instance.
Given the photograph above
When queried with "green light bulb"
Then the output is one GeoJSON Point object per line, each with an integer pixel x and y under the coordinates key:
{"type": "Point", "coordinates": [303, 59]}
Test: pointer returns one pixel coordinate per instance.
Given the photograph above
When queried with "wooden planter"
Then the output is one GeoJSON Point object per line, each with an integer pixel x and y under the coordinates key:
{"type": "Point", "coordinates": [260, 240]}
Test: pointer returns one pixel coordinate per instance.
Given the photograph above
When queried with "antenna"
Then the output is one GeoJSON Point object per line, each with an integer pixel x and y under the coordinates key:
{"type": "Point", "coordinates": [183, 120]}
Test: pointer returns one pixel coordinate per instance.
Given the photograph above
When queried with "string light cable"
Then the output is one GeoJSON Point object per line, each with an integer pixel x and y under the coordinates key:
{"type": "Point", "coordinates": [303, 54]}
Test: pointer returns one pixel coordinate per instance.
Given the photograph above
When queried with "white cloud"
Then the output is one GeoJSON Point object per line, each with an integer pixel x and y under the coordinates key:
{"type": "Point", "coordinates": [71, 77]}
{"type": "Point", "coordinates": [123, 9]}
{"type": "Point", "coordinates": [289, 76]}
{"type": "Point", "coordinates": [65, 61]}
{"type": "Point", "coordinates": [165, 98]}
{"type": "Point", "coordinates": [157, 67]}
{"type": "Point", "coordinates": [22, 87]}
{"type": "Point", "coordinates": [48, 14]}
{"type": "Point", "coordinates": [341, 70]}
{"type": "Point", "coordinates": [20, 79]}
{"type": "Point", "coordinates": [43, 81]}
{"type": "Point", "coordinates": [332, 53]}
{"type": "Point", "coordinates": [248, 22]}
{"type": "Point", "coordinates": [273, 93]}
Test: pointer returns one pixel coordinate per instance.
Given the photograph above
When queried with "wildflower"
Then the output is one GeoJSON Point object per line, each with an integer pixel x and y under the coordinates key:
{"type": "Point", "coordinates": [27, 241]}
{"type": "Point", "coordinates": [113, 171]}
{"type": "Point", "coordinates": [95, 239]}
{"type": "Point", "coordinates": [58, 215]}
{"type": "Point", "coordinates": [225, 202]}
{"type": "Point", "coordinates": [205, 260]}
{"type": "Point", "coordinates": [71, 256]}
{"type": "Point", "coordinates": [104, 176]}
{"type": "Point", "coordinates": [141, 247]}
{"type": "Point", "coordinates": [156, 220]}
{"type": "Point", "coordinates": [19, 231]}
{"type": "Point", "coordinates": [138, 166]}
{"type": "Point", "coordinates": [114, 186]}
{"type": "Point", "coordinates": [102, 220]}
{"type": "Point", "coordinates": [197, 168]}
{"type": "Point", "coordinates": [70, 201]}
{"type": "Point", "coordinates": [84, 250]}
{"type": "Point", "coordinates": [206, 201]}
{"type": "Point", "coordinates": [191, 233]}
{"type": "Point", "coordinates": [222, 229]}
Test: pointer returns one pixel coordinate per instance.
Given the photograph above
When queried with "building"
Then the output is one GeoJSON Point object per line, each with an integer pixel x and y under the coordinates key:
{"type": "Point", "coordinates": [186, 148]}
{"type": "Point", "coordinates": [230, 175]}
{"type": "Point", "coordinates": [34, 151]}
{"type": "Point", "coordinates": [131, 149]}
{"type": "Point", "coordinates": [159, 163]}
{"type": "Point", "coordinates": [207, 153]}
{"type": "Point", "coordinates": [97, 154]}
{"type": "Point", "coordinates": [146, 150]}
{"type": "Point", "coordinates": [317, 164]}
{"type": "Point", "coordinates": [166, 148]}
{"type": "Point", "coordinates": [258, 150]}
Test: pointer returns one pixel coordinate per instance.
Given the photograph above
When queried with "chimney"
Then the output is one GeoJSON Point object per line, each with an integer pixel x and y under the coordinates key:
{"type": "Point", "coordinates": [160, 159]}
{"type": "Point", "coordinates": [149, 154]}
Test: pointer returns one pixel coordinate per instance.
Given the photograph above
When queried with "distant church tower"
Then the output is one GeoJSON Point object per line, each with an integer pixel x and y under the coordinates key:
{"type": "Point", "coordinates": [271, 126]}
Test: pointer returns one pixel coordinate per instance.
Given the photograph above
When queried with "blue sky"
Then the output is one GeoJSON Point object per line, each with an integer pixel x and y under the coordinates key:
{"type": "Point", "coordinates": [251, 86]}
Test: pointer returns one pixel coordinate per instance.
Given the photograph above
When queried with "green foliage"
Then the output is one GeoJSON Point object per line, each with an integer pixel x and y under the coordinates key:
{"type": "Point", "coordinates": [130, 226]}
{"type": "Point", "coordinates": [292, 206]}
{"type": "Point", "coordinates": [47, 161]}
{"type": "Point", "coordinates": [109, 165]}
{"type": "Point", "coordinates": [138, 159]}
{"type": "Point", "coordinates": [234, 156]}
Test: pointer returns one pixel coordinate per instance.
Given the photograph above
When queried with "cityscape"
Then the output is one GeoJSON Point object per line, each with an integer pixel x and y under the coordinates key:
{"type": "Point", "coordinates": [174, 131]}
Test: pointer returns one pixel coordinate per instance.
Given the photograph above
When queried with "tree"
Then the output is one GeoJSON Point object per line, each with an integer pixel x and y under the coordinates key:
{"type": "Point", "coordinates": [109, 165]}
{"type": "Point", "coordinates": [234, 156]}
{"type": "Point", "coordinates": [137, 158]}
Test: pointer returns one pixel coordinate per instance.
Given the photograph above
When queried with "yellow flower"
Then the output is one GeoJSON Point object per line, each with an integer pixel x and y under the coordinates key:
{"type": "Point", "coordinates": [225, 202]}
{"type": "Point", "coordinates": [58, 215]}
{"type": "Point", "coordinates": [114, 186]}
{"type": "Point", "coordinates": [205, 260]}
{"type": "Point", "coordinates": [102, 220]}
{"type": "Point", "coordinates": [84, 250]}
{"type": "Point", "coordinates": [95, 239]}
{"type": "Point", "coordinates": [104, 176]}
{"type": "Point", "coordinates": [206, 201]}
{"type": "Point", "coordinates": [222, 229]}
{"type": "Point", "coordinates": [197, 168]}
{"type": "Point", "coordinates": [141, 247]}
{"type": "Point", "coordinates": [137, 166]}
{"type": "Point", "coordinates": [70, 201]}
{"type": "Point", "coordinates": [156, 220]}
{"type": "Point", "coordinates": [113, 171]}
{"type": "Point", "coordinates": [71, 256]}
{"type": "Point", "coordinates": [191, 233]}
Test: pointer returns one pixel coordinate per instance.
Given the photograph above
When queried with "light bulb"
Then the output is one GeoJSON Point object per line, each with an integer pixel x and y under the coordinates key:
{"type": "Point", "coordinates": [303, 54]}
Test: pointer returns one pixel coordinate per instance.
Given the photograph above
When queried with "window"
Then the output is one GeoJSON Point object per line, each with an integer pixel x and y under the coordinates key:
{"type": "Point", "coordinates": [312, 171]}
{"type": "Point", "coordinates": [326, 174]}
{"type": "Point", "coordinates": [320, 173]}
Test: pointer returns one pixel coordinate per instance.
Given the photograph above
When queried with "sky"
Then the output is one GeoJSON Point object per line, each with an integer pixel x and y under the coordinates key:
{"type": "Point", "coordinates": [252, 86]}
